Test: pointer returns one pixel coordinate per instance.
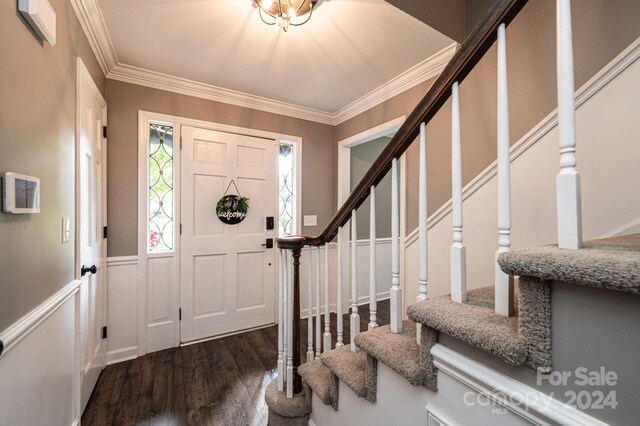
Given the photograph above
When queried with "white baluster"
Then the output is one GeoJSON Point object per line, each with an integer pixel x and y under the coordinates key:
{"type": "Point", "coordinates": [458, 250]}
{"type": "Point", "coordinates": [281, 307]}
{"type": "Point", "coordinates": [373, 302]}
{"type": "Point", "coordinates": [504, 282]}
{"type": "Point", "coordinates": [340, 294]}
{"type": "Point", "coordinates": [423, 242]}
{"type": "Point", "coordinates": [568, 180]}
{"type": "Point", "coordinates": [318, 303]}
{"type": "Point", "coordinates": [327, 307]}
{"type": "Point", "coordinates": [310, 355]}
{"type": "Point", "coordinates": [396, 291]}
{"type": "Point", "coordinates": [289, 303]}
{"type": "Point", "coordinates": [355, 317]}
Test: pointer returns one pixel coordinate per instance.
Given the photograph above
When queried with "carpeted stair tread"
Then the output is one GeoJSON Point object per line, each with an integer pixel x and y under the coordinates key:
{"type": "Point", "coordinates": [475, 325]}
{"type": "Point", "coordinates": [399, 351]}
{"type": "Point", "coordinates": [351, 368]}
{"type": "Point", "coordinates": [318, 377]}
{"type": "Point", "coordinates": [485, 297]}
{"type": "Point", "coordinates": [610, 263]}
{"type": "Point", "coordinates": [286, 407]}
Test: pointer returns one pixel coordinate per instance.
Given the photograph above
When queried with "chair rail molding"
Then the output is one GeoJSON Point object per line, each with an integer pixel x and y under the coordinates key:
{"type": "Point", "coordinates": [12, 335]}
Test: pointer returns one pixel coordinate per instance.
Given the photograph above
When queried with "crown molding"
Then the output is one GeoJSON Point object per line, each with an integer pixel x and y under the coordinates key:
{"type": "Point", "coordinates": [93, 24]}
{"type": "Point", "coordinates": [423, 71]}
{"type": "Point", "coordinates": [156, 80]}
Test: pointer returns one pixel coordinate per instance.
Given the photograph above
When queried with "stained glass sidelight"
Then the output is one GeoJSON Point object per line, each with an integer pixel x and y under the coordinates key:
{"type": "Point", "coordinates": [286, 193]}
{"type": "Point", "coordinates": [160, 196]}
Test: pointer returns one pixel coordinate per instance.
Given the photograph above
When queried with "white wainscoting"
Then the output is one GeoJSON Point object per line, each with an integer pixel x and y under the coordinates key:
{"type": "Point", "coordinates": [142, 314]}
{"type": "Point", "coordinates": [607, 152]}
{"type": "Point", "coordinates": [40, 366]}
{"type": "Point", "coordinates": [122, 308]}
{"type": "Point", "coordinates": [143, 318]}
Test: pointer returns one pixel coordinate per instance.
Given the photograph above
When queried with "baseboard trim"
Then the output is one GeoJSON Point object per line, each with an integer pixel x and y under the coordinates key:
{"type": "Point", "coordinates": [25, 325]}
{"type": "Point", "coordinates": [120, 355]}
{"type": "Point", "coordinates": [537, 407]}
{"type": "Point", "coordinates": [621, 62]}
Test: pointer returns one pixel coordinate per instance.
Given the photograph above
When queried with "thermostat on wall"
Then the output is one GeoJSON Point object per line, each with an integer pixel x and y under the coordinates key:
{"type": "Point", "coordinates": [20, 193]}
{"type": "Point", "coordinates": [41, 17]}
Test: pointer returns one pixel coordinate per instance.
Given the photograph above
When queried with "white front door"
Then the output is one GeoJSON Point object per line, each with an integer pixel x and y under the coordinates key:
{"type": "Point", "coordinates": [227, 275]}
{"type": "Point", "coordinates": [91, 201]}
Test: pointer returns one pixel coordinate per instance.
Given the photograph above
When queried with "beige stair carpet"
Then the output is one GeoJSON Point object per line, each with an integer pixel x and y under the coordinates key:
{"type": "Point", "coordinates": [610, 263]}
{"type": "Point", "coordinates": [285, 411]}
{"type": "Point", "coordinates": [400, 352]}
{"type": "Point", "coordinates": [319, 378]}
{"type": "Point", "coordinates": [355, 369]}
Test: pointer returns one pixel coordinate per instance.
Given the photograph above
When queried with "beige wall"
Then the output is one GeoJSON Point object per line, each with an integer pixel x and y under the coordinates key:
{"type": "Point", "coordinates": [602, 29]}
{"type": "Point", "coordinates": [37, 137]}
{"type": "Point", "coordinates": [362, 157]}
{"type": "Point", "coordinates": [124, 100]}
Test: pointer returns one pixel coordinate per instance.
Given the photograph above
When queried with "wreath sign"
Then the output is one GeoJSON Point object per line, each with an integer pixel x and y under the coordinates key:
{"type": "Point", "coordinates": [232, 209]}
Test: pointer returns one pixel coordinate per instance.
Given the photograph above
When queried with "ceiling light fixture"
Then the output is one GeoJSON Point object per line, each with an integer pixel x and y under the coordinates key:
{"type": "Point", "coordinates": [284, 13]}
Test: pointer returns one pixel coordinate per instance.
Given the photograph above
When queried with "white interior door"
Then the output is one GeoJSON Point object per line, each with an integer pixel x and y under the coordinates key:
{"type": "Point", "coordinates": [91, 200]}
{"type": "Point", "coordinates": [227, 276]}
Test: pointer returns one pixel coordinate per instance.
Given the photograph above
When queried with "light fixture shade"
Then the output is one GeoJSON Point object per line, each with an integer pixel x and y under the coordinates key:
{"type": "Point", "coordinates": [285, 13]}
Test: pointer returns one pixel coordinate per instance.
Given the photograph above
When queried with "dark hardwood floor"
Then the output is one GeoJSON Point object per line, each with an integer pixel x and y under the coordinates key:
{"type": "Point", "coordinates": [219, 382]}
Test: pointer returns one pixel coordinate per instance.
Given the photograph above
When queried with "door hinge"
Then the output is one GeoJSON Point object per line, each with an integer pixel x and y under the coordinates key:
{"type": "Point", "coordinates": [104, 332]}
{"type": "Point", "coordinates": [181, 229]}
{"type": "Point", "coordinates": [104, 132]}
{"type": "Point", "coordinates": [180, 142]}
{"type": "Point", "coordinates": [180, 314]}
{"type": "Point", "coordinates": [104, 232]}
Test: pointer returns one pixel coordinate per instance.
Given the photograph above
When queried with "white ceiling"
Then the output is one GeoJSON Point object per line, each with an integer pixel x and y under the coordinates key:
{"type": "Point", "coordinates": [347, 49]}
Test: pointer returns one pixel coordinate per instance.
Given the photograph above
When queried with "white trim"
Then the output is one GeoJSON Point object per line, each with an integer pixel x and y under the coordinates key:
{"type": "Point", "coordinates": [183, 86]}
{"type": "Point", "coordinates": [537, 407]}
{"type": "Point", "coordinates": [435, 413]}
{"type": "Point", "coordinates": [94, 27]}
{"type": "Point", "coordinates": [122, 260]}
{"type": "Point", "coordinates": [120, 355]}
{"type": "Point", "coordinates": [423, 71]}
{"type": "Point", "coordinates": [621, 230]}
{"type": "Point", "coordinates": [25, 325]}
{"type": "Point", "coordinates": [92, 22]}
{"type": "Point", "coordinates": [344, 153]}
{"type": "Point", "coordinates": [383, 295]}
{"type": "Point", "coordinates": [590, 88]}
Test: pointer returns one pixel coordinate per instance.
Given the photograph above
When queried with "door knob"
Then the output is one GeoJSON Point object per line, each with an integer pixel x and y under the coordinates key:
{"type": "Point", "coordinates": [269, 243]}
{"type": "Point", "coordinates": [88, 269]}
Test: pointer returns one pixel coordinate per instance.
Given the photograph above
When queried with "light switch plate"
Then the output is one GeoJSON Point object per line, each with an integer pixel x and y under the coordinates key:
{"type": "Point", "coordinates": [66, 230]}
{"type": "Point", "coordinates": [310, 220]}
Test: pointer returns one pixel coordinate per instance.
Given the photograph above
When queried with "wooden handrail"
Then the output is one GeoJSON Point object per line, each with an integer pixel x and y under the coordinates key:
{"type": "Point", "coordinates": [466, 58]}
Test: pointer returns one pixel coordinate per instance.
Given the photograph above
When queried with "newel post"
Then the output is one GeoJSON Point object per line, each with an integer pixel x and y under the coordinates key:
{"type": "Point", "coordinates": [297, 381]}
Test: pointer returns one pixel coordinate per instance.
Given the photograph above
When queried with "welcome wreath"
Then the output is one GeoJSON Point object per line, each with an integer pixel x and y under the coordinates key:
{"type": "Point", "coordinates": [232, 209]}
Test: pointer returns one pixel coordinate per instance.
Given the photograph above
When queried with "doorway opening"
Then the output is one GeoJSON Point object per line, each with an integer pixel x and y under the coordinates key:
{"type": "Point", "coordinates": [355, 156]}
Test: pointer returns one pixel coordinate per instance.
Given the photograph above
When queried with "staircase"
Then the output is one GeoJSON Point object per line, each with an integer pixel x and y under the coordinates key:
{"type": "Point", "coordinates": [511, 320]}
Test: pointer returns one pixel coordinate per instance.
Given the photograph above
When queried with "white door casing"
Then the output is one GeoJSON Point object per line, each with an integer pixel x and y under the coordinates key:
{"type": "Point", "coordinates": [227, 276]}
{"type": "Point", "coordinates": [91, 218]}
